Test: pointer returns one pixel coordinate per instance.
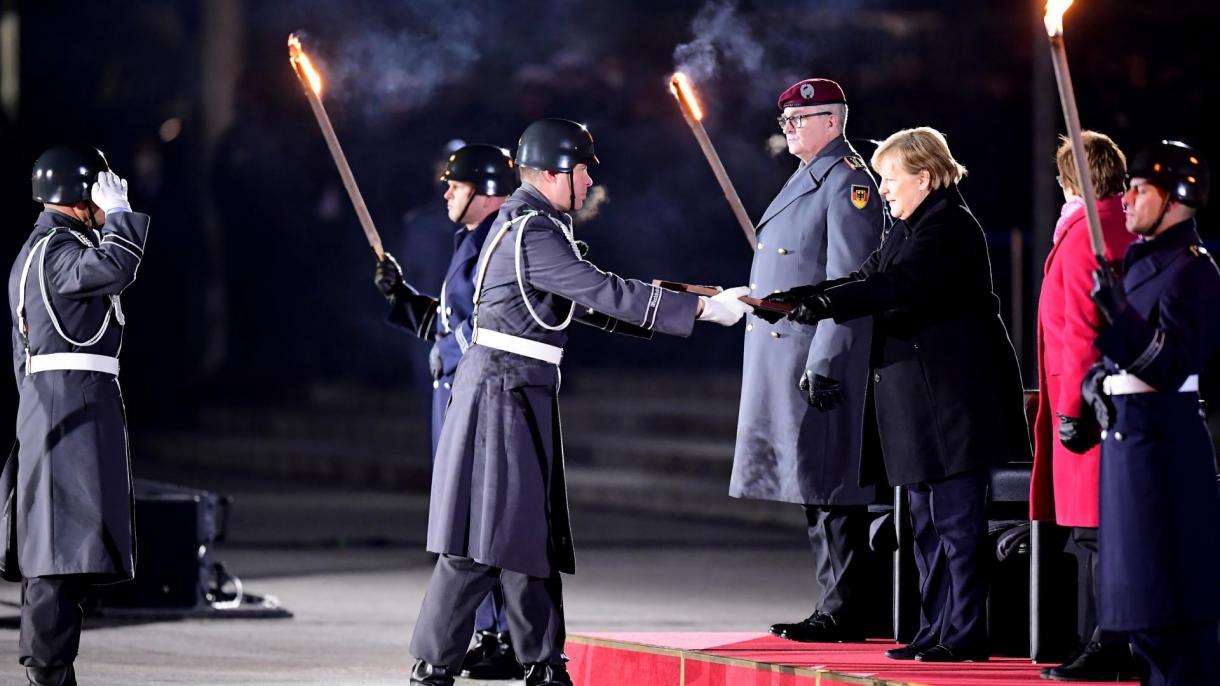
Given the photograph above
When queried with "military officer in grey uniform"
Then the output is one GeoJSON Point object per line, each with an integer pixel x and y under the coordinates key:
{"type": "Point", "coordinates": [498, 511]}
{"type": "Point", "coordinates": [802, 389]}
{"type": "Point", "coordinates": [73, 485]}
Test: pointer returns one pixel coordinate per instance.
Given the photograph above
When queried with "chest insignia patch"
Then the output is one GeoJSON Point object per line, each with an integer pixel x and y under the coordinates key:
{"type": "Point", "coordinates": [859, 196]}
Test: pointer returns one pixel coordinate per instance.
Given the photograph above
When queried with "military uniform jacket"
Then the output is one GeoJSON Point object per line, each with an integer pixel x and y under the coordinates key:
{"type": "Point", "coordinates": [824, 224]}
{"type": "Point", "coordinates": [498, 491]}
{"type": "Point", "coordinates": [1158, 542]}
{"type": "Point", "coordinates": [945, 383]}
{"type": "Point", "coordinates": [446, 319]}
{"type": "Point", "coordinates": [74, 500]}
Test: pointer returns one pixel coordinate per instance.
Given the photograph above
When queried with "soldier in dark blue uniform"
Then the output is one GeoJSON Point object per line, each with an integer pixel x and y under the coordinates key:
{"type": "Point", "coordinates": [1158, 546]}
{"type": "Point", "coordinates": [478, 180]}
{"type": "Point", "coordinates": [498, 511]}
{"type": "Point", "coordinates": [73, 473]}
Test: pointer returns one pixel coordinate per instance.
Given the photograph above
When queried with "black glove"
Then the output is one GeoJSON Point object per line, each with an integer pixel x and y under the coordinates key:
{"type": "Point", "coordinates": [1078, 435]}
{"type": "Point", "coordinates": [811, 310]}
{"type": "Point", "coordinates": [388, 279]}
{"type": "Point", "coordinates": [793, 296]}
{"type": "Point", "coordinates": [769, 316]}
{"type": "Point", "coordinates": [823, 393]}
{"type": "Point", "coordinates": [1095, 398]}
{"type": "Point", "coordinates": [1108, 292]}
{"type": "Point", "coordinates": [436, 364]}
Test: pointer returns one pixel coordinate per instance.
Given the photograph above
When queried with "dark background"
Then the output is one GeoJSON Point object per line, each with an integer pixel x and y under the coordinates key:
{"type": "Point", "coordinates": [258, 283]}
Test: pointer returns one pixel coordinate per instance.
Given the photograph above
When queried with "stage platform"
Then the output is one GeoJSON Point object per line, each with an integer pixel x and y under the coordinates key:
{"type": "Point", "coordinates": [753, 659]}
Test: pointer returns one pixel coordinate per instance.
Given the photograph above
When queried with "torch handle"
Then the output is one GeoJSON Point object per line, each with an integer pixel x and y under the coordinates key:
{"type": "Point", "coordinates": [722, 176]}
{"type": "Point", "coordinates": [345, 173]}
{"type": "Point", "coordinates": [1071, 117]}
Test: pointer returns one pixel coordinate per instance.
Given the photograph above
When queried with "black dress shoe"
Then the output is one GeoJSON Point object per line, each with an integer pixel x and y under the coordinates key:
{"type": "Point", "coordinates": [1096, 661]}
{"type": "Point", "coordinates": [907, 652]}
{"type": "Point", "coordinates": [63, 675]}
{"type": "Point", "coordinates": [819, 627]}
{"type": "Point", "coordinates": [944, 653]}
{"type": "Point", "coordinates": [539, 674]}
{"type": "Point", "coordinates": [424, 674]}
{"type": "Point", "coordinates": [492, 658]}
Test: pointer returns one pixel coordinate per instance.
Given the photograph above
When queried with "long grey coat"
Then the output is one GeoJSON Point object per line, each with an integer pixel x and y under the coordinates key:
{"type": "Point", "coordinates": [498, 490]}
{"type": "Point", "coordinates": [823, 225]}
{"type": "Point", "coordinates": [74, 500]}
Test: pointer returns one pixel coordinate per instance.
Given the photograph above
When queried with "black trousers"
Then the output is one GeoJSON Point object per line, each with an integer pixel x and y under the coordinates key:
{"type": "Point", "coordinates": [838, 536]}
{"type": "Point", "coordinates": [1180, 655]}
{"type": "Point", "coordinates": [949, 527]}
{"type": "Point", "coordinates": [51, 619]}
{"type": "Point", "coordinates": [533, 607]}
{"type": "Point", "coordinates": [1084, 538]}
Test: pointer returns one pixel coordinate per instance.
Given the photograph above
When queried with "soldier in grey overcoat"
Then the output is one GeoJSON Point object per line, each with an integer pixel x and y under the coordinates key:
{"type": "Point", "coordinates": [802, 389]}
{"type": "Point", "coordinates": [73, 491]}
{"type": "Point", "coordinates": [498, 509]}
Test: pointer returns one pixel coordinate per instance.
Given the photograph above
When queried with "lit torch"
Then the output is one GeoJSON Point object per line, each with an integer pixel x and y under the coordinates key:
{"type": "Point", "coordinates": [312, 82]}
{"type": "Point", "coordinates": [680, 86]}
{"type": "Point", "coordinates": [1067, 97]}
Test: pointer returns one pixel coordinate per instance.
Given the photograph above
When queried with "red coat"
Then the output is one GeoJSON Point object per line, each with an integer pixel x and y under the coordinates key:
{"type": "Point", "coordinates": [1064, 485]}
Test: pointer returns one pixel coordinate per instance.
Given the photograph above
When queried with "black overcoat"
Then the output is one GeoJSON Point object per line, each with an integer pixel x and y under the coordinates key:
{"type": "Point", "coordinates": [944, 382]}
{"type": "Point", "coordinates": [1158, 544]}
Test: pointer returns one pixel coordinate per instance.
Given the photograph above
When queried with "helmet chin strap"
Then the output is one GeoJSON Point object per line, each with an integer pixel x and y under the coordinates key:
{"type": "Point", "coordinates": [465, 209]}
{"type": "Point", "coordinates": [571, 193]}
{"type": "Point", "coordinates": [1161, 217]}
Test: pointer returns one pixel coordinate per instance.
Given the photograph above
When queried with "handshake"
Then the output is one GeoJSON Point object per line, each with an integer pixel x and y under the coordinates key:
{"type": "Point", "coordinates": [803, 304]}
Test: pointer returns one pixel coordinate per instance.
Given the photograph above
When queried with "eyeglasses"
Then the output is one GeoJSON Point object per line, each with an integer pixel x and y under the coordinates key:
{"type": "Point", "coordinates": [798, 120]}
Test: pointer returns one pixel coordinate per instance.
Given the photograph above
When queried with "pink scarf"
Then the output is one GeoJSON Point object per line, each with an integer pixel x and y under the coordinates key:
{"type": "Point", "coordinates": [1069, 208]}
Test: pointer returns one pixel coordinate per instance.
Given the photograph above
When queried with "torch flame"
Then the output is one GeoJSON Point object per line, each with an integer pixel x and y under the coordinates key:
{"type": "Point", "coordinates": [301, 62]}
{"type": "Point", "coordinates": [1054, 16]}
{"type": "Point", "coordinates": [680, 86]}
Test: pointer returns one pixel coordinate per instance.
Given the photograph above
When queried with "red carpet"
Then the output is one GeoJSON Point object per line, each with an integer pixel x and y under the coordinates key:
{"type": "Point", "coordinates": [751, 659]}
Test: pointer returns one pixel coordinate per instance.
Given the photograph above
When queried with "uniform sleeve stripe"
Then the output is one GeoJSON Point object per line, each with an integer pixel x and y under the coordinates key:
{"type": "Point", "coordinates": [134, 254]}
{"type": "Point", "coordinates": [654, 304]}
{"type": "Point", "coordinates": [116, 237]}
{"type": "Point", "coordinates": [460, 335]}
{"type": "Point", "coordinates": [1150, 353]}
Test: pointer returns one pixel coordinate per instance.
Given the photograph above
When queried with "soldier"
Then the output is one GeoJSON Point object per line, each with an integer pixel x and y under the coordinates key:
{"type": "Point", "coordinates": [1158, 546]}
{"type": "Point", "coordinates": [478, 180]}
{"type": "Point", "coordinates": [74, 498]}
{"type": "Point", "coordinates": [499, 505]}
{"type": "Point", "coordinates": [802, 389]}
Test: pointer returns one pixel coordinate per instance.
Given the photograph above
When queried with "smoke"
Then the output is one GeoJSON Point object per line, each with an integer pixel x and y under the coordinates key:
{"type": "Point", "coordinates": [777, 144]}
{"type": "Point", "coordinates": [720, 34]}
{"type": "Point", "coordinates": [597, 197]}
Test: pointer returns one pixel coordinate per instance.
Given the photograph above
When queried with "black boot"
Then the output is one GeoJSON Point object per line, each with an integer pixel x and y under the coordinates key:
{"type": "Point", "coordinates": [1096, 661]}
{"type": "Point", "coordinates": [492, 658]}
{"type": "Point", "coordinates": [51, 676]}
{"type": "Point", "coordinates": [424, 674]}
{"type": "Point", "coordinates": [539, 674]}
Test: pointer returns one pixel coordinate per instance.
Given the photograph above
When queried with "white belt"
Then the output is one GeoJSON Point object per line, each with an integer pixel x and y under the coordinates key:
{"type": "Point", "coordinates": [518, 345]}
{"type": "Point", "coordinates": [84, 362]}
{"type": "Point", "coordinates": [1126, 384]}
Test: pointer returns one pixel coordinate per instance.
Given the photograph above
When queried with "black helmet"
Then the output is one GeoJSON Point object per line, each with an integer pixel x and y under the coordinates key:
{"type": "Point", "coordinates": [488, 167]}
{"type": "Point", "coordinates": [1174, 167]}
{"type": "Point", "coordinates": [556, 145]}
{"type": "Point", "coordinates": [64, 174]}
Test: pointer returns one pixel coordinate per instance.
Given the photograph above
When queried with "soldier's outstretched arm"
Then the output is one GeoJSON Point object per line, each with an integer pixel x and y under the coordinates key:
{"type": "Point", "coordinates": [75, 270]}
{"type": "Point", "coordinates": [549, 264]}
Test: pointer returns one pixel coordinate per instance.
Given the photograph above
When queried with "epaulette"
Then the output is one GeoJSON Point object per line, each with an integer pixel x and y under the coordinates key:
{"type": "Point", "coordinates": [854, 161]}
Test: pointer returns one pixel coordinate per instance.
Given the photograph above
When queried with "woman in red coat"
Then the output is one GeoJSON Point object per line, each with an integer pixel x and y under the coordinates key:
{"type": "Point", "coordinates": [1064, 484]}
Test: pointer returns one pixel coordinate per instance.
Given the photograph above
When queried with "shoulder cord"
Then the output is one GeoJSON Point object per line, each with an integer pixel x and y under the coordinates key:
{"type": "Point", "coordinates": [115, 306]}
{"type": "Point", "coordinates": [495, 242]}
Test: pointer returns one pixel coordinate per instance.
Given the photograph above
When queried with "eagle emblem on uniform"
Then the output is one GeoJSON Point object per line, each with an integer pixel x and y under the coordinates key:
{"type": "Point", "coordinates": [859, 196]}
{"type": "Point", "coordinates": [806, 90]}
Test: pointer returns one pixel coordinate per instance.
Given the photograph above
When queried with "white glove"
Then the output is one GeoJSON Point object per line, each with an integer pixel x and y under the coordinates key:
{"type": "Point", "coordinates": [110, 192]}
{"type": "Point", "coordinates": [724, 308]}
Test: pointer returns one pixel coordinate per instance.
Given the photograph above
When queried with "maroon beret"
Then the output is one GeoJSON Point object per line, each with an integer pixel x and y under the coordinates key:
{"type": "Point", "coordinates": [812, 92]}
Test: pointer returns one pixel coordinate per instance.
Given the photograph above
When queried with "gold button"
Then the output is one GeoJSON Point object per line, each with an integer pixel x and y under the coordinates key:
{"type": "Point", "coordinates": [448, 311]}
{"type": "Point", "coordinates": [781, 251]}
{"type": "Point", "coordinates": [749, 327]}
{"type": "Point", "coordinates": [753, 286]}
{"type": "Point", "coordinates": [760, 246]}
{"type": "Point", "coordinates": [774, 334]}
{"type": "Point", "coordinates": [436, 384]}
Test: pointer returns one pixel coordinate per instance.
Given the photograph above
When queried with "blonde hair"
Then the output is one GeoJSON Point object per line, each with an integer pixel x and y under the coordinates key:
{"type": "Point", "coordinates": [922, 148]}
{"type": "Point", "coordinates": [1107, 164]}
